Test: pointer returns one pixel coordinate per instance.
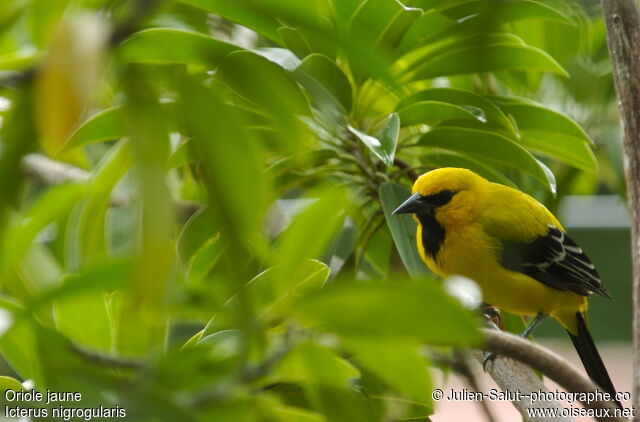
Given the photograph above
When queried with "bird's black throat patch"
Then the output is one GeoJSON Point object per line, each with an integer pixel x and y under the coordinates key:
{"type": "Point", "coordinates": [432, 234]}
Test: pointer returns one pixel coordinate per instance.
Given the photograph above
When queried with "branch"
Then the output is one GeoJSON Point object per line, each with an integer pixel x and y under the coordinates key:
{"type": "Point", "coordinates": [622, 18]}
{"type": "Point", "coordinates": [509, 374]}
{"type": "Point", "coordinates": [49, 172]}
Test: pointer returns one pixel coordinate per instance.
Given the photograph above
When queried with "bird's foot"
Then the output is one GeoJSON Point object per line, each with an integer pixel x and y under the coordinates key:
{"type": "Point", "coordinates": [488, 357]}
{"type": "Point", "coordinates": [492, 315]}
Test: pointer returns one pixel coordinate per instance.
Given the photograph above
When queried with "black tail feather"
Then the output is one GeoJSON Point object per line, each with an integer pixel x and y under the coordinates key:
{"type": "Point", "coordinates": [591, 359]}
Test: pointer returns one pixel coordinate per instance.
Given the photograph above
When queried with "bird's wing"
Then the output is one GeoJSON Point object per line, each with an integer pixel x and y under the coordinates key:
{"type": "Point", "coordinates": [555, 260]}
{"type": "Point", "coordinates": [532, 242]}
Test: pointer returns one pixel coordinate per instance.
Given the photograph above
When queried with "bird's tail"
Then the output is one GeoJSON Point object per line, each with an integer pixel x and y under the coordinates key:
{"type": "Point", "coordinates": [591, 359]}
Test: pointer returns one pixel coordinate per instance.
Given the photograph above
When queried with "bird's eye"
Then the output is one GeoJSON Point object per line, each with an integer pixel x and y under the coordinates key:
{"type": "Point", "coordinates": [441, 198]}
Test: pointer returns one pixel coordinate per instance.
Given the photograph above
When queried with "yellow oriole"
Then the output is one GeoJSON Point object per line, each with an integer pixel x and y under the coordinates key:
{"type": "Point", "coordinates": [513, 247]}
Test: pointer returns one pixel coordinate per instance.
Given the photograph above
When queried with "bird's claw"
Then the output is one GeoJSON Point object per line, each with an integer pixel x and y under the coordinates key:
{"type": "Point", "coordinates": [488, 357]}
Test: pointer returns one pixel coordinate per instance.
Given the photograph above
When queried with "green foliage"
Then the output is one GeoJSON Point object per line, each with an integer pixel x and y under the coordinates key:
{"type": "Point", "coordinates": [229, 252]}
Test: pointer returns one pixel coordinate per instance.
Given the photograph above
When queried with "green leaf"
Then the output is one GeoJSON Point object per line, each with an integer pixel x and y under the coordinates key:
{"type": "Point", "coordinates": [403, 227]}
{"type": "Point", "coordinates": [195, 232]}
{"type": "Point", "coordinates": [314, 228]}
{"type": "Point", "coordinates": [488, 146]}
{"type": "Point", "coordinates": [100, 278]}
{"type": "Point", "coordinates": [438, 158]}
{"type": "Point", "coordinates": [105, 125]}
{"type": "Point", "coordinates": [232, 167]}
{"type": "Point", "coordinates": [398, 363]}
{"type": "Point", "coordinates": [398, 25]}
{"type": "Point", "coordinates": [423, 55]}
{"type": "Point", "coordinates": [393, 311]}
{"type": "Point", "coordinates": [18, 60]}
{"type": "Point", "coordinates": [22, 233]}
{"type": "Point", "coordinates": [425, 27]}
{"type": "Point", "coordinates": [85, 294]}
{"type": "Point", "coordinates": [465, 99]}
{"type": "Point", "coordinates": [204, 259]}
{"type": "Point", "coordinates": [280, 56]}
{"type": "Point", "coordinates": [388, 135]}
{"type": "Point", "coordinates": [108, 125]}
{"type": "Point", "coordinates": [243, 13]}
{"type": "Point", "coordinates": [281, 99]}
{"type": "Point", "coordinates": [551, 133]}
{"type": "Point", "coordinates": [430, 112]}
{"type": "Point", "coordinates": [506, 11]}
{"type": "Point", "coordinates": [325, 78]}
{"type": "Point", "coordinates": [327, 380]}
{"type": "Point", "coordinates": [295, 41]}
{"type": "Point", "coordinates": [344, 10]}
{"type": "Point", "coordinates": [8, 383]}
{"type": "Point", "coordinates": [384, 144]}
{"type": "Point", "coordinates": [271, 293]}
{"type": "Point", "coordinates": [88, 227]}
{"type": "Point", "coordinates": [489, 58]}
{"type": "Point", "coordinates": [167, 45]}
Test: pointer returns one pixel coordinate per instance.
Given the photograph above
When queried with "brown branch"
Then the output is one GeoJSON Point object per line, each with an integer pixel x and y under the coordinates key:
{"type": "Point", "coordinates": [505, 371]}
{"type": "Point", "coordinates": [622, 18]}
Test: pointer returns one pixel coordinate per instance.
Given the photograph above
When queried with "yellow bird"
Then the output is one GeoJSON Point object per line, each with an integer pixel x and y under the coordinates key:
{"type": "Point", "coordinates": [513, 247]}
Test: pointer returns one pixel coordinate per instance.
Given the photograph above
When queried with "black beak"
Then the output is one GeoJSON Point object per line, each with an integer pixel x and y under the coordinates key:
{"type": "Point", "coordinates": [414, 204]}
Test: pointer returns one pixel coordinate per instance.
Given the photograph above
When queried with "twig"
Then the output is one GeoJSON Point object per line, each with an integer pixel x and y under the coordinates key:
{"type": "Point", "coordinates": [504, 371]}
{"type": "Point", "coordinates": [106, 360]}
{"type": "Point", "coordinates": [404, 166]}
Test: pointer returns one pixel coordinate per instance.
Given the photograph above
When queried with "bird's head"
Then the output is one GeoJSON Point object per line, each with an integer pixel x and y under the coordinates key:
{"type": "Point", "coordinates": [455, 192]}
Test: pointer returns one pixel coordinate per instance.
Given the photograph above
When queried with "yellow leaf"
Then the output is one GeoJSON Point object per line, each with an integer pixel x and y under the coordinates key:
{"type": "Point", "coordinates": [68, 77]}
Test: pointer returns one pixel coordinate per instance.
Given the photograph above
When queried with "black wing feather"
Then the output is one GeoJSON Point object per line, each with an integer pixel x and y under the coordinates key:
{"type": "Point", "coordinates": [555, 260]}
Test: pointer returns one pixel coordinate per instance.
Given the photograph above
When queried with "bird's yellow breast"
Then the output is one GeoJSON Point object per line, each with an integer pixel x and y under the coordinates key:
{"type": "Point", "coordinates": [469, 251]}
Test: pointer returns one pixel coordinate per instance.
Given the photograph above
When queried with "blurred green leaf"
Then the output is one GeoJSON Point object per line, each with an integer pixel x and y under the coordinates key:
{"type": "Point", "coordinates": [8, 383]}
{"type": "Point", "coordinates": [489, 58]}
{"type": "Point", "coordinates": [167, 45]}
{"type": "Point", "coordinates": [196, 231]}
{"type": "Point", "coordinates": [204, 259]}
{"type": "Point", "coordinates": [399, 364]}
{"type": "Point", "coordinates": [323, 78]}
{"type": "Point", "coordinates": [403, 227]}
{"type": "Point", "coordinates": [22, 233]}
{"type": "Point", "coordinates": [314, 227]}
{"type": "Point", "coordinates": [327, 379]}
{"type": "Point", "coordinates": [394, 311]}
{"type": "Point", "coordinates": [101, 278]}
{"type": "Point", "coordinates": [242, 13]}
{"type": "Point", "coordinates": [105, 125]}
{"type": "Point", "coordinates": [18, 60]}
{"type": "Point", "coordinates": [86, 295]}
{"type": "Point", "coordinates": [271, 293]}
{"type": "Point", "coordinates": [281, 99]}
{"type": "Point", "coordinates": [487, 146]}
{"type": "Point", "coordinates": [86, 237]}
{"type": "Point", "coordinates": [233, 167]}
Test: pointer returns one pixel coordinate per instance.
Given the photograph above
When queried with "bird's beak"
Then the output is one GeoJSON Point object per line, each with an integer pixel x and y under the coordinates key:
{"type": "Point", "coordinates": [414, 204]}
